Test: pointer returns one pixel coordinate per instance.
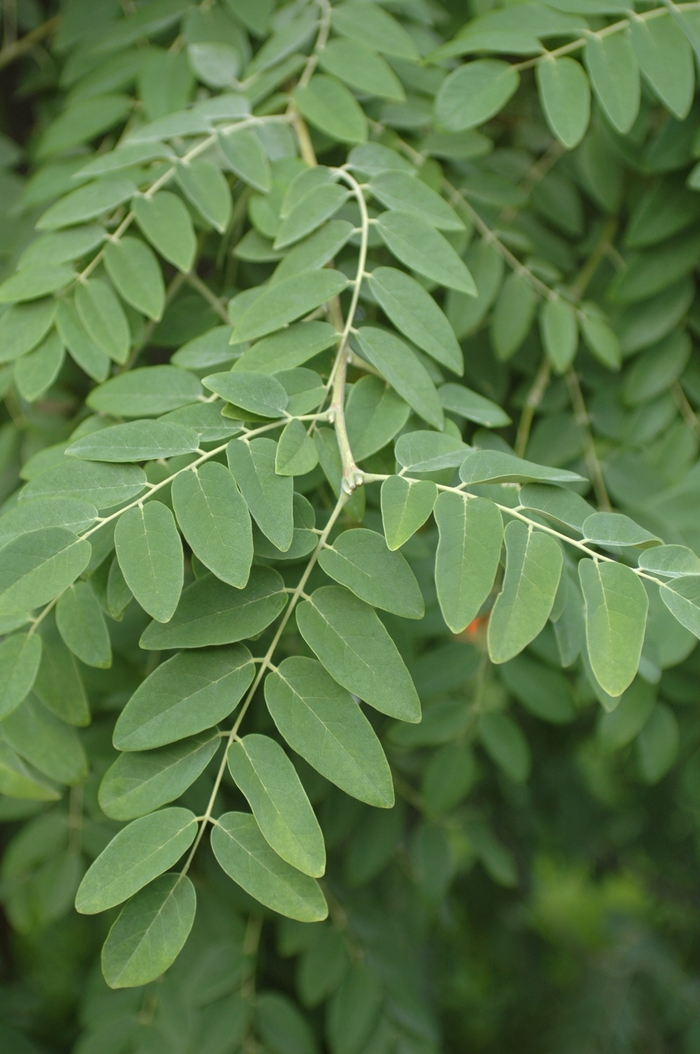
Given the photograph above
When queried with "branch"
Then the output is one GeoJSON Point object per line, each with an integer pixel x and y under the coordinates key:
{"type": "Point", "coordinates": [26, 43]}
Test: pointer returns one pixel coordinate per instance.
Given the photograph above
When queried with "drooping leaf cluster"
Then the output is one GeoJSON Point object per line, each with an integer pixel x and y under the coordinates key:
{"type": "Point", "coordinates": [349, 469]}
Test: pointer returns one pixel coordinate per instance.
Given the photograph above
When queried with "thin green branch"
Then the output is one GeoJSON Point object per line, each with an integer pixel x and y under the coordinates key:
{"type": "Point", "coordinates": [30, 40]}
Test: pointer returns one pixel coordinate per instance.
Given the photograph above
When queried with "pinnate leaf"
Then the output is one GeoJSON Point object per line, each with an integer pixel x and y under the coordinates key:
{"type": "Point", "coordinates": [185, 695]}
{"type": "Point", "coordinates": [360, 560]}
{"type": "Point", "coordinates": [355, 648]}
{"type": "Point", "coordinates": [135, 856]}
{"type": "Point", "coordinates": [323, 723]}
{"type": "Point", "coordinates": [533, 568]}
{"type": "Point", "coordinates": [150, 555]}
{"type": "Point", "coordinates": [150, 932]}
{"type": "Point", "coordinates": [469, 549]}
{"type": "Point", "coordinates": [215, 521]}
{"type": "Point", "coordinates": [248, 859]}
{"type": "Point", "coordinates": [269, 781]}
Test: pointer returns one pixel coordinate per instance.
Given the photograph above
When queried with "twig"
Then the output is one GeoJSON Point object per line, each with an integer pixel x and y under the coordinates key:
{"type": "Point", "coordinates": [20, 47]}
{"type": "Point", "coordinates": [533, 400]}
{"type": "Point", "coordinates": [591, 455]}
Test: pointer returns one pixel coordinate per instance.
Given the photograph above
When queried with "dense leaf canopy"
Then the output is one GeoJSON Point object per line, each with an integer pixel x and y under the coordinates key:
{"type": "Point", "coordinates": [349, 573]}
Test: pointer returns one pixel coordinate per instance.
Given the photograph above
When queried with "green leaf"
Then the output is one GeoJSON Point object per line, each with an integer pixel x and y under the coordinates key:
{"type": "Point", "coordinates": [469, 549]}
{"type": "Point", "coordinates": [183, 696]}
{"type": "Point", "coordinates": [20, 656]}
{"type": "Point", "coordinates": [544, 692]}
{"type": "Point", "coordinates": [146, 392]}
{"type": "Point", "coordinates": [354, 1009]}
{"type": "Point", "coordinates": [20, 780]}
{"type": "Point", "coordinates": [423, 249]}
{"type": "Point", "coordinates": [329, 106]}
{"type": "Point", "coordinates": [620, 726]}
{"type": "Point", "coordinates": [612, 528]}
{"type": "Point", "coordinates": [415, 314]}
{"type": "Point", "coordinates": [268, 496]}
{"type": "Point", "coordinates": [214, 519]}
{"type": "Point", "coordinates": [291, 347]}
{"type": "Point", "coordinates": [58, 684]}
{"type": "Point", "coordinates": [355, 648]}
{"type": "Point", "coordinates": [360, 560]}
{"type": "Point", "coordinates": [45, 742]}
{"type": "Point", "coordinates": [150, 555]}
{"type": "Point", "coordinates": [210, 349]}
{"type": "Point", "coordinates": [35, 373]}
{"type": "Point", "coordinates": [86, 203]}
{"type": "Point", "coordinates": [102, 485]}
{"type": "Point", "coordinates": [149, 932]}
{"type": "Point", "coordinates": [614, 72]}
{"type": "Point", "coordinates": [675, 561]}
{"type": "Point", "coordinates": [81, 624]}
{"type": "Point", "coordinates": [211, 612]}
{"type": "Point", "coordinates": [362, 22]}
{"type": "Point", "coordinates": [103, 318]}
{"type": "Point", "coordinates": [260, 393]}
{"type": "Point", "coordinates": [666, 61]}
{"type": "Point", "coordinates": [35, 281]}
{"type": "Point", "coordinates": [296, 451]}
{"type": "Point", "coordinates": [166, 223]}
{"type": "Point", "coordinates": [137, 854]}
{"type": "Point", "coordinates": [282, 1027]}
{"type": "Point", "coordinates": [682, 598]}
{"type": "Point", "coordinates": [616, 612]}
{"type": "Point", "coordinates": [136, 274]}
{"type": "Point", "coordinates": [465, 403]}
{"type": "Point", "coordinates": [475, 92]}
{"type": "Point", "coordinates": [118, 596]}
{"type": "Point", "coordinates": [135, 441]}
{"type": "Point", "coordinates": [83, 349]}
{"type": "Point", "coordinates": [562, 506]}
{"type": "Point", "coordinates": [429, 451]}
{"type": "Point", "coordinates": [350, 61]}
{"type": "Point", "coordinates": [496, 466]}
{"type": "Point", "coordinates": [658, 743]}
{"type": "Point", "coordinates": [245, 155]}
{"type": "Point", "coordinates": [254, 14]}
{"type": "Point", "coordinates": [314, 251]}
{"type": "Point", "coordinates": [406, 506]}
{"type": "Point", "coordinates": [206, 419]}
{"type": "Point", "coordinates": [512, 316]}
{"type": "Point", "coordinates": [83, 120]}
{"type": "Point", "coordinates": [505, 744]}
{"type": "Point", "coordinates": [268, 779]}
{"type": "Point", "coordinates": [36, 567]}
{"type": "Point", "coordinates": [533, 568]}
{"type": "Point", "coordinates": [137, 783]}
{"type": "Point", "coordinates": [287, 300]}
{"type": "Point", "coordinates": [403, 370]}
{"type": "Point", "coordinates": [559, 332]}
{"type": "Point", "coordinates": [404, 193]}
{"type": "Point", "coordinates": [125, 156]}
{"type": "Point", "coordinates": [62, 246]}
{"type": "Point", "coordinates": [374, 413]}
{"type": "Point", "coordinates": [322, 722]}
{"type": "Point", "coordinates": [23, 326]}
{"type": "Point", "coordinates": [313, 209]}
{"type": "Point", "coordinates": [206, 187]}
{"type": "Point", "coordinates": [565, 96]}
{"type": "Point", "coordinates": [306, 180]}
{"type": "Point", "coordinates": [248, 859]}
{"type": "Point", "coordinates": [51, 512]}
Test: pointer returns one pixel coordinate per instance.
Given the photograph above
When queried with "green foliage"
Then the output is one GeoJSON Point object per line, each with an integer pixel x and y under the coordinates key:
{"type": "Point", "coordinates": [349, 573]}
